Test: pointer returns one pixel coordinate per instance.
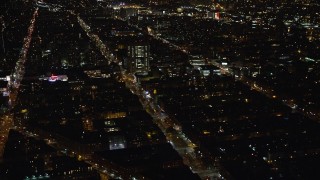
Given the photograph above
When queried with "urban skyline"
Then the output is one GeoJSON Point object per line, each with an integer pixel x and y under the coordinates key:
{"type": "Point", "coordinates": [159, 89]}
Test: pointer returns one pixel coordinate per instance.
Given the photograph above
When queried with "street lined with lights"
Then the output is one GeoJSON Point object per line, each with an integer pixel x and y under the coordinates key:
{"type": "Point", "coordinates": [14, 85]}
{"type": "Point", "coordinates": [180, 142]}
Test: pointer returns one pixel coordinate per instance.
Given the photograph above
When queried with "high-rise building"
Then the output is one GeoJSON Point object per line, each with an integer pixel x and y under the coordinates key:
{"type": "Point", "coordinates": [138, 58]}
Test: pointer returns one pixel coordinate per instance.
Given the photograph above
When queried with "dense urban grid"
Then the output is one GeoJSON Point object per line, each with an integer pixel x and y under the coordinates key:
{"type": "Point", "coordinates": [160, 89]}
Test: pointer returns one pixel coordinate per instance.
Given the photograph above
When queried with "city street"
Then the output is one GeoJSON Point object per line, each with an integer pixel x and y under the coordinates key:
{"type": "Point", "coordinates": [179, 141]}
{"type": "Point", "coordinates": [14, 84]}
{"type": "Point", "coordinates": [182, 144]}
{"type": "Point", "coordinates": [159, 90]}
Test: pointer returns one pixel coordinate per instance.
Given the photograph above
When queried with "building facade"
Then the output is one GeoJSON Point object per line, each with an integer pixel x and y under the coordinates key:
{"type": "Point", "coordinates": [138, 58]}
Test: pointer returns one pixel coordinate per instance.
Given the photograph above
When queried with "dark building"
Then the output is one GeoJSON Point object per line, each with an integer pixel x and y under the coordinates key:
{"type": "Point", "coordinates": [138, 58]}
